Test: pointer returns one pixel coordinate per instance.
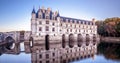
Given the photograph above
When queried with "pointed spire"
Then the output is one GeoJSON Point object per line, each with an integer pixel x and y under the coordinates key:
{"type": "Point", "coordinates": [33, 11]}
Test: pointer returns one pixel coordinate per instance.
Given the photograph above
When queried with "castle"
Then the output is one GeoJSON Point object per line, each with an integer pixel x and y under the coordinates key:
{"type": "Point", "coordinates": [54, 36]}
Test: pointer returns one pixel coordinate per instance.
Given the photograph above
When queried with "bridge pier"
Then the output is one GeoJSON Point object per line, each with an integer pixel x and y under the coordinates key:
{"type": "Point", "coordinates": [17, 48]}
{"type": "Point", "coordinates": [27, 47]}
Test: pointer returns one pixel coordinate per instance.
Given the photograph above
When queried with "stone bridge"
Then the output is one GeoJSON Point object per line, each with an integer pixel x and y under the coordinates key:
{"type": "Point", "coordinates": [10, 41]}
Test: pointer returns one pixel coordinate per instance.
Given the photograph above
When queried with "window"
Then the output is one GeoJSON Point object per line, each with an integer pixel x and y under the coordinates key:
{"type": "Point", "coordinates": [40, 22]}
{"type": "Point", "coordinates": [79, 30]}
{"type": "Point", "coordinates": [47, 22]}
{"type": "Point", "coordinates": [47, 61]}
{"type": "Point", "coordinates": [47, 28]}
{"type": "Point", "coordinates": [40, 62]}
{"type": "Point", "coordinates": [82, 22]}
{"type": "Point", "coordinates": [83, 27]}
{"type": "Point", "coordinates": [75, 30]}
{"type": "Point", "coordinates": [53, 54]}
{"type": "Point", "coordinates": [68, 21]}
{"type": "Point", "coordinates": [53, 29]}
{"type": "Point", "coordinates": [73, 21]}
{"type": "Point", "coordinates": [92, 23]}
{"type": "Point", "coordinates": [75, 26]}
{"type": "Point", "coordinates": [67, 51]}
{"type": "Point", "coordinates": [53, 23]}
{"type": "Point", "coordinates": [86, 30]}
{"type": "Point", "coordinates": [60, 30]}
{"type": "Point", "coordinates": [67, 30]}
{"type": "Point", "coordinates": [85, 22]}
{"type": "Point", "coordinates": [47, 55]}
{"type": "Point", "coordinates": [60, 24]}
{"type": "Point", "coordinates": [53, 60]}
{"type": "Point", "coordinates": [40, 28]}
{"type": "Point", "coordinates": [40, 56]}
{"type": "Point", "coordinates": [70, 50]}
{"type": "Point", "coordinates": [66, 25]}
{"type": "Point", "coordinates": [70, 30]}
{"type": "Point", "coordinates": [86, 26]}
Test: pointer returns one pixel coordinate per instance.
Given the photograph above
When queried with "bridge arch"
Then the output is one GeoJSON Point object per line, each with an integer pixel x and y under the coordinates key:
{"type": "Point", "coordinates": [71, 40]}
{"type": "Point", "coordinates": [79, 40]}
{"type": "Point", "coordinates": [87, 39]}
{"type": "Point", "coordinates": [63, 41]}
{"type": "Point", "coordinates": [31, 40]}
{"type": "Point", "coordinates": [47, 46]}
{"type": "Point", "coordinates": [10, 43]}
{"type": "Point", "coordinates": [94, 39]}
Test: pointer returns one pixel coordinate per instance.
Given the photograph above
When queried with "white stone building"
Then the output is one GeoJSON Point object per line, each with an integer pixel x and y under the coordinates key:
{"type": "Point", "coordinates": [54, 36]}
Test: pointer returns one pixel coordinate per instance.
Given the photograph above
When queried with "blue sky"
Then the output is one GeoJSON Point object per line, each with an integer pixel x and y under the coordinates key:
{"type": "Point", "coordinates": [16, 14]}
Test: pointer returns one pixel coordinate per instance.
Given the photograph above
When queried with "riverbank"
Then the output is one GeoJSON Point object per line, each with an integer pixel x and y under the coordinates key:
{"type": "Point", "coordinates": [110, 39]}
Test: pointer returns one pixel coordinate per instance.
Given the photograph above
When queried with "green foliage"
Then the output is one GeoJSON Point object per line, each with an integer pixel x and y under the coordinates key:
{"type": "Point", "coordinates": [118, 27]}
{"type": "Point", "coordinates": [109, 27]}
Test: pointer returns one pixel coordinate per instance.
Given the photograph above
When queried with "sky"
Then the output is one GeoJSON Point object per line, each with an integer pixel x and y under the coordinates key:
{"type": "Point", "coordinates": [15, 15]}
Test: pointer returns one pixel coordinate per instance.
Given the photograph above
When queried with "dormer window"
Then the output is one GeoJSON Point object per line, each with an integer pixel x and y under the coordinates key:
{"type": "Point", "coordinates": [77, 21]}
{"type": "Point", "coordinates": [73, 21]}
{"type": "Point", "coordinates": [81, 22]}
{"type": "Point", "coordinates": [68, 21]}
{"type": "Point", "coordinates": [85, 23]}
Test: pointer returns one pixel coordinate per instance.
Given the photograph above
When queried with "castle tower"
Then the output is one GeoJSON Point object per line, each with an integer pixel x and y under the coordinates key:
{"type": "Point", "coordinates": [33, 22]}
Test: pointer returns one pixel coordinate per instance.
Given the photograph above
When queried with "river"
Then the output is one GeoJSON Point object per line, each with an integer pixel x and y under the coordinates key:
{"type": "Point", "coordinates": [107, 53]}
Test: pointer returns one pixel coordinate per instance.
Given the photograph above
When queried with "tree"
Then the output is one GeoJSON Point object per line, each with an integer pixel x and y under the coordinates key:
{"type": "Point", "coordinates": [109, 27]}
{"type": "Point", "coordinates": [118, 29]}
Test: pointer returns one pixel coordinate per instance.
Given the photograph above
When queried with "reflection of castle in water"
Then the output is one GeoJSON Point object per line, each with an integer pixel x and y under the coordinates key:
{"type": "Point", "coordinates": [62, 55]}
{"type": "Point", "coordinates": [57, 39]}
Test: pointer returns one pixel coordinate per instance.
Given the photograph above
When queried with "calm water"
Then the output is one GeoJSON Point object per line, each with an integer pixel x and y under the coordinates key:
{"type": "Point", "coordinates": [107, 53]}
